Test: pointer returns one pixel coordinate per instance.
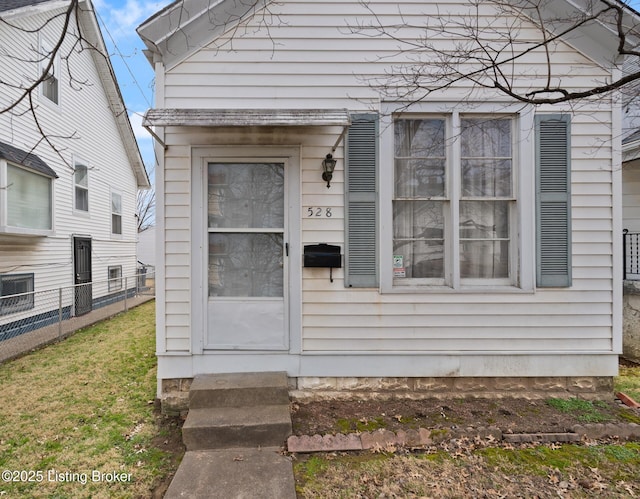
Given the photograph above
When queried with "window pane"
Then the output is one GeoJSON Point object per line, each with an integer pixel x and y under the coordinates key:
{"type": "Point", "coordinates": [80, 175]}
{"type": "Point", "coordinates": [246, 195]}
{"type": "Point", "coordinates": [486, 137]}
{"type": "Point", "coordinates": [419, 237]}
{"type": "Point", "coordinates": [420, 178]}
{"type": "Point", "coordinates": [116, 224]}
{"type": "Point", "coordinates": [116, 203]}
{"type": "Point", "coordinates": [420, 259]}
{"type": "Point", "coordinates": [50, 88]}
{"type": "Point", "coordinates": [484, 219]}
{"type": "Point", "coordinates": [484, 239]}
{"type": "Point", "coordinates": [486, 163]}
{"type": "Point", "coordinates": [420, 138]}
{"type": "Point", "coordinates": [28, 199]}
{"type": "Point", "coordinates": [245, 265]}
{"type": "Point", "coordinates": [18, 284]}
{"type": "Point", "coordinates": [486, 178]}
{"type": "Point", "coordinates": [115, 278]}
{"type": "Point", "coordinates": [484, 259]}
{"type": "Point", "coordinates": [418, 220]}
{"type": "Point", "coordinates": [82, 199]}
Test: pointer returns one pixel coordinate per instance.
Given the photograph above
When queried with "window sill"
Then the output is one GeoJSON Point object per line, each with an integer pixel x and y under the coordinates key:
{"type": "Point", "coordinates": [24, 232]}
{"type": "Point", "coordinates": [435, 289]}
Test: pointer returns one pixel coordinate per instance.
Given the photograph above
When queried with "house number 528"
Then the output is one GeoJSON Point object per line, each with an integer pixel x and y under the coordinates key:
{"type": "Point", "coordinates": [317, 212]}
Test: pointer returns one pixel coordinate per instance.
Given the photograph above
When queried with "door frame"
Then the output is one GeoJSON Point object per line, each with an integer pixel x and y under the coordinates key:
{"type": "Point", "coordinates": [290, 157]}
{"type": "Point", "coordinates": [79, 291]}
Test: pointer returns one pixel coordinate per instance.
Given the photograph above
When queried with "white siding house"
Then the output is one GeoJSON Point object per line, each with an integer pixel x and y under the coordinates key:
{"type": "Point", "coordinates": [69, 164]}
{"type": "Point", "coordinates": [478, 236]}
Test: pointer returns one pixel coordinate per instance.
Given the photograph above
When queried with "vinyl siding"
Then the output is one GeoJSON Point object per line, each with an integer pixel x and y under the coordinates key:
{"type": "Point", "coordinates": [82, 128]}
{"type": "Point", "coordinates": [308, 60]}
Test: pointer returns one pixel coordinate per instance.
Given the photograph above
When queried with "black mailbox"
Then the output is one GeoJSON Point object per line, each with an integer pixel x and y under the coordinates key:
{"type": "Point", "coordinates": [322, 255]}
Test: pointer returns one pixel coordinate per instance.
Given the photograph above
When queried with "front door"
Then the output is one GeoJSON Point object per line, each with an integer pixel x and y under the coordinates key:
{"type": "Point", "coordinates": [83, 293]}
{"type": "Point", "coordinates": [247, 250]}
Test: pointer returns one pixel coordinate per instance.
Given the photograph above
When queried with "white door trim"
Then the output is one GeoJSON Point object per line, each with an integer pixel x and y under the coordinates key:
{"type": "Point", "coordinates": [200, 157]}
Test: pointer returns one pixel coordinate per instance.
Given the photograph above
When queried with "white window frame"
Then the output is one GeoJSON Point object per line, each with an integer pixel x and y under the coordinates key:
{"type": "Point", "coordinates": [4, 200]}
{"type": "Point", "coordinates": [45, 49]}
{"type": "Point", "coordinates": [114, 213]}
{"type": "Point", "coordinates": [26, 301]}
{"type": "Point", "coordinates": [115, 282]}
{"type": "Point", "coordinates": [82, 164]}
{"type": "Point", "coordinates": [522, 217]}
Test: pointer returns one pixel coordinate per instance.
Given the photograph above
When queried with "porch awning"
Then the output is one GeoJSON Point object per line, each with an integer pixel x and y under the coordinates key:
{"type": "Point", "coordinates": [246, 117]}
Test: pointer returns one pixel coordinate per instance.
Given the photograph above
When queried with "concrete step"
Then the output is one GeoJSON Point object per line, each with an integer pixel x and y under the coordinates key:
{"type": "Point", "coordinates": [234, 474]}
{"type": "Point", "coordinates": [225, 427]}
{"type": "Point", "coordinates": [238, 390]}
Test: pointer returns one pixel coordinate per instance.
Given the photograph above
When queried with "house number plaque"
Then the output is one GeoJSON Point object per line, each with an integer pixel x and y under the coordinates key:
{"type": "Point", "coordinates": [319, 212]}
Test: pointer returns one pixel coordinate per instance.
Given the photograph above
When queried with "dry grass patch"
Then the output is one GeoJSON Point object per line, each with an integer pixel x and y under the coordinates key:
{"type": "Point", "coordinates": [530, 471]}
{"type": "Point", "coordinates": [628, 380]}
{"type": "Point", "coordinates": [83, 408]}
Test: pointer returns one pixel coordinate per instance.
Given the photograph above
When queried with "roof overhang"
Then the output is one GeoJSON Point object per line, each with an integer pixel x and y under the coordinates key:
{"type": "Point", "coordinates": [27, 159]}
{"type": "Point", "coordinates": [245, 118]}
{"type": "Point", "coordinates": [630, 151]}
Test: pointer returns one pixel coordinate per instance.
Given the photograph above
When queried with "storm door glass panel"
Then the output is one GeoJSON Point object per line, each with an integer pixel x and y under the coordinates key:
{"type": "Point", "coordinates": [245, 265]}
{"type": "Point", "coordinates": [246, 229]}
{"type": "Point", "coordinates": [246, 195]}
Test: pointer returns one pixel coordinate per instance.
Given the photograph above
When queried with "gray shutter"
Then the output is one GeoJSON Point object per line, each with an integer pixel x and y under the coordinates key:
{"type": "Point", "coordinates": [553, 200]}
{"type": "Point", "coordinates": [361, 197]}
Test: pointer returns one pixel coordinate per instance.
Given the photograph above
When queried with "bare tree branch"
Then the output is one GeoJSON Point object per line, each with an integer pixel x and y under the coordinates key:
{"type": "Point", "coordinates": [488, 48]}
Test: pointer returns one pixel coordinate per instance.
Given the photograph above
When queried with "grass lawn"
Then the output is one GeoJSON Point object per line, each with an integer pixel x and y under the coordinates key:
{"type": "Point", "coordinates": [77, 417]}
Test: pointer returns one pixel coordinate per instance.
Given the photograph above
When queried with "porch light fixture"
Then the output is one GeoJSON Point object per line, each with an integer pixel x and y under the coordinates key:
{"type": "Point", "coordinates": [328, 165]}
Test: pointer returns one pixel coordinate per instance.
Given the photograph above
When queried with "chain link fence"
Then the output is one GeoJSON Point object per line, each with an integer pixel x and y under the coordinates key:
{"type": "Point", "coordinates": [30, 320]}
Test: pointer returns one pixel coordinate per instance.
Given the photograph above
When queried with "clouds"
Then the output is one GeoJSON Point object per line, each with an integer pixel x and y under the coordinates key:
{"type": "Point", "coordinates": [119, 20]}
{"type": "Point", "coordinates": [124, 16]}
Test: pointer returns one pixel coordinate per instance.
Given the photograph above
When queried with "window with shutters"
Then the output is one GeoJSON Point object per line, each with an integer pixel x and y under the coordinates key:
{"type": "Point", "coordinates": [454, 202]}
{"type": "Point", "coordinates": [458, 206]}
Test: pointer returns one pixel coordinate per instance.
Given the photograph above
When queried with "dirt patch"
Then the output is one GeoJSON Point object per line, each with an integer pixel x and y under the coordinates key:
{"type": "Point", "coordinates": [169, 441]}
{"type": "Point", "coordinates": [509, 415]}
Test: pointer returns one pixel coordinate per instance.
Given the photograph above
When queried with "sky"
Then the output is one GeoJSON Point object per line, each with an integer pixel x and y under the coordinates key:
{"type": "Point", "coordinates": [118, 20]}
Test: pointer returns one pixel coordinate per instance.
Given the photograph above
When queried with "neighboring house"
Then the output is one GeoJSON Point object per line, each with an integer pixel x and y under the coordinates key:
{"type": "Point", "coordinates": [67, 216]}
{"type": "Point", "coordinates": [147, 247]}
{"type": "Point", "coordinates": [478, 238]}
{"type": "Point", "coordinates": [631, 182]}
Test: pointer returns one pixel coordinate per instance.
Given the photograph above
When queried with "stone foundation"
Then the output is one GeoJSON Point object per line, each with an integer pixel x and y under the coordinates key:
{"type": "Point", "coordinates": [175, 392]}
{"type": "Point", "coordinates": [587, 387]}
{"type": "Point", "coordinates": [174, 399]}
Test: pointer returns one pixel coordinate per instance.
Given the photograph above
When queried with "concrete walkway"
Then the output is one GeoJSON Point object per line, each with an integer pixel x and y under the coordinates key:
{"type": "Point", "coordinates": [234, 435]}
{"type": "Point", "coordinates": [15, 347]}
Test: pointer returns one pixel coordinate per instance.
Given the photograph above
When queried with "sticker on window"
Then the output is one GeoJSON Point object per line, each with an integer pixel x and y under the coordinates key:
{"type": "Point", "coordinates": [398, 266]}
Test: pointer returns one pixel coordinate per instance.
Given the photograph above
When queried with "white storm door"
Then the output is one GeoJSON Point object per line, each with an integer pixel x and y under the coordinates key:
{"type": "Point", "coordinates": [246, 221]}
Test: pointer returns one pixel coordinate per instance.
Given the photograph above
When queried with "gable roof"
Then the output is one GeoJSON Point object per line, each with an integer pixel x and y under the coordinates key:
{"type": "Point", "coordinates": [631, 147]}
{"type": "Point", "coordinates": [18, 4]}
{"type": "Point", "coordinates": [184, 26]}
{"type": "Point", "coordinates": [91, 32]}
{"type": "Point", "coordinates": [25, 158]}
